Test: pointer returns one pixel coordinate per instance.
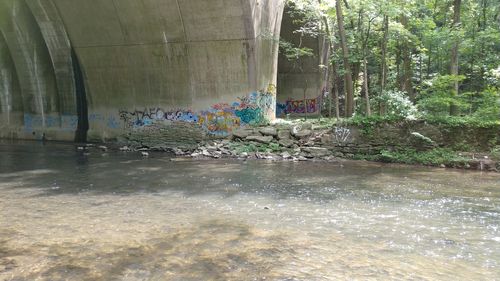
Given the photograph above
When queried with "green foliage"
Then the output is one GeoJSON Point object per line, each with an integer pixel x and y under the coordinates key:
{"type": "Point", "coordinates": [486, 105]}
{"type": "Point", "coordinates": [438, 96]}
{"type": "Point", "coordinates": [397, 105]}
{"type": "Point", "coordinates": [251, 147]}
{"type": "Point", "coordinates": [495, 152]}
{"type": "Point", "coordinates": [274, 147]}
{"type": "Point", "coordinates": [462, 122]}
{"type": "Point", "coordinates": [371, 121]}
{"type": "Point", "coordinates": [292, 53]}
{"type": "Point", "coordinates": [367, 125]}
{"type": "Point", "coordinates": [418, 48]}
{"type": "Point", "coordinates": [434, 157]}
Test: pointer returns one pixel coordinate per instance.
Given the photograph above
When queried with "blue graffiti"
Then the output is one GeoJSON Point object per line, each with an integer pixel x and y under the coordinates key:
{"type": "Point", "coordinates": [250, 115]}
{"type": "Point", "coordinates": [112, 123]}
{"type": "Point", "coordinates": [186, 117]}
{"type": "Point", "coordinates": [281, 109]}
{"type": "Point", "coordinates": [63, 122]}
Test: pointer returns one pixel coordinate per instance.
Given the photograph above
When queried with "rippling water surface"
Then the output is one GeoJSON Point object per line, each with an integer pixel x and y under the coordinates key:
{"type": "Point", "coordinates": [67, 216]}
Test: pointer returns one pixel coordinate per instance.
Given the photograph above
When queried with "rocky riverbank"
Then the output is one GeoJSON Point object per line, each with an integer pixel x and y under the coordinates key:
{"type": "Point", "coordinates": [302, 141]}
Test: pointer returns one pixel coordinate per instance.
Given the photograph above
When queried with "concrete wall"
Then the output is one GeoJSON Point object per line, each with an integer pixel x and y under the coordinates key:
{"type": "Point", "coordinates": [302, 79]}
{"type": "Point", "coordinates": [143, 63]}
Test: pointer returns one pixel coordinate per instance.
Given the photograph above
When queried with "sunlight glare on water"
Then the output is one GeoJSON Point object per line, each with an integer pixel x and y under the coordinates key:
{"type": "Point", "coordinates": [66, 216]}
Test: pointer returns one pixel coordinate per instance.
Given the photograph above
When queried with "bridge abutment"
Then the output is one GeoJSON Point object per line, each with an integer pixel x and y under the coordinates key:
{"type": "Point", "coordinates": [145, 65]}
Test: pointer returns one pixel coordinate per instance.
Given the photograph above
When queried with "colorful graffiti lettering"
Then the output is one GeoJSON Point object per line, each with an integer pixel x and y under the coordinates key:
{"type": "Point", "coordinates": [280, 109]}
{"type": "Point", "coordinates": [220, 119]}
{"type": "Point", "coordinates": [148, 116]}
{"type": "Point", "coordinates": [218, 122]}
{"type": "Point", "coordinates": [298, 107]}
{"type": "Point", "coordinates": [250, 115]}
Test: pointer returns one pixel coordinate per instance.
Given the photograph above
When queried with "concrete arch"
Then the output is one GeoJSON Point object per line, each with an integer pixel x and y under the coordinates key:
{"type": "Point", "coordinates": [59, 48]}
{"type": "Point", "coordinates": [11, 104]}
{"type": "Point", "coordinates": [211, 60]}
{"type": "Point", "coordinates": [34, 69]}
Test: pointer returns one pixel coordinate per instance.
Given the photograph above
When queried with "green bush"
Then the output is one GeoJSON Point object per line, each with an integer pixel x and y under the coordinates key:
{"type": "Point", "coordinates": [438, 98]}
{"type": "Point", "coordinates": [367, 125]}
{"type": "Point", "coordinates": [495, 152]}
{"type": "Point", "coordinates": [397, 105]}
{"type": "Point", "coordinates": [433, 157]}
{"type": "Point", "coordinates": [459, 121]}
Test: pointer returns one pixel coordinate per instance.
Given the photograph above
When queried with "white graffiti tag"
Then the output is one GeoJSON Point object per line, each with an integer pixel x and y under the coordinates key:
{"type": "Point", "coordinates": [342, 134]}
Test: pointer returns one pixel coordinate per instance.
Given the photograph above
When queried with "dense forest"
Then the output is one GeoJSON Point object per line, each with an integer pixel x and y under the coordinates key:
{"type": "Point", "coordinates": [405, 58]}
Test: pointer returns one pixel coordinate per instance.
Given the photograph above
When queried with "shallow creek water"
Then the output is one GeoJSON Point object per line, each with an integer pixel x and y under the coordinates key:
{"type": "Point", "coordinates": [116, 216]}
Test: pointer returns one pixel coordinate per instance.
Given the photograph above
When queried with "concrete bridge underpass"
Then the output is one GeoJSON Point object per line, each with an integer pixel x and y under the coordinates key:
{"type": "Point", "coordinates": [100, 69]}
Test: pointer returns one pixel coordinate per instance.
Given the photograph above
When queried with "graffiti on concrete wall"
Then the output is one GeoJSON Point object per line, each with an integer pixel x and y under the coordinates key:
{"type": "Point", "coordinates": [310, 106]}
{"type": "Point", "coordinates": [69, 122]}
{"type": "Point", "coordinates": [34, 122]}
{"type": "Point", "coordinates": [147, 116]}
{"type": "Point", "coordinates": [110, 121]}
{"type": "Point", "coordinates": [219, 120]}
{"type": "Point", "coordinates": [341, 134]}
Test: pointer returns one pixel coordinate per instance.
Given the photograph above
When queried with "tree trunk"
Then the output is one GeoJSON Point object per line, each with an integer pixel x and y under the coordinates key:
{"type": "Point", "coordinates": [383, 64]}
{"type": "Point", "coordinates": [330, 66]}
{"type": "Point", "coordinates": [454, 69]}
{"type": "Point", "coordinates": [485, 14]}
{"type": "Point", "coordinates": [399, 77]}
{"type": "Point", "coordinates": [429, 61]}
{"type": "Point", "coordinates": [305, 99]}
{"type": "Point", "coordinates": [366, 88]}
{"type": "Point", "coordinates": [349, 102]}
{"type": "Point", "coordinates": [383, 70]}
{"type": "Point", "coordinates": [336, 84]}
{"type": "Point", "coordinates": [407, 84]}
